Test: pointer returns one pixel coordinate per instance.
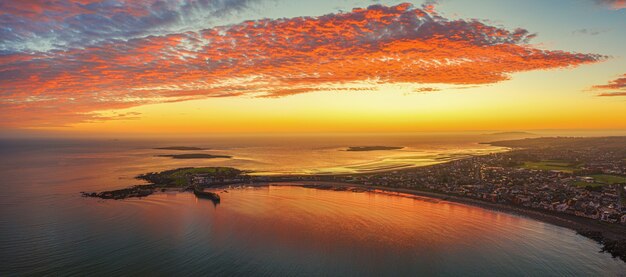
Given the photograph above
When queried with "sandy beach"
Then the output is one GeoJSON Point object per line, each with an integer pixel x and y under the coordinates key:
{"type": "Point", "coordinates": [611, 231]}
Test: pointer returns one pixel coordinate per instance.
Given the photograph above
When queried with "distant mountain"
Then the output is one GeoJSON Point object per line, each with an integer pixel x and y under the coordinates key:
{"type": "Point", "coordinates": [512, 134]}
{"type": "Point", "coordinates": [614, 144]}
{"type": "Point", "coordinates": [509, 135]}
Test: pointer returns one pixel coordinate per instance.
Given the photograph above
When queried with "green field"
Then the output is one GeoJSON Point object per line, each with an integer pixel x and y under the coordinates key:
{"type": "Point", "coordinates": [602, 180]}
{"type": "Point", "coordinates": [608, 179]}
{"type": "Point", "coordinates": [550, 165]}
{"type": "Point", "coordinates": [180, 177]}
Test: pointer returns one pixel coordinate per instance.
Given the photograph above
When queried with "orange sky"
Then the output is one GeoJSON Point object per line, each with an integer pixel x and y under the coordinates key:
{"type": "Point", "coordinates": [397, 68]}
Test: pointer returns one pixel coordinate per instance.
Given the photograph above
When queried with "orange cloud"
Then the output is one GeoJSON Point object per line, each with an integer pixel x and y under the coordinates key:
{"type": "Point", "coordinates": [426, 89]}
{"type": "Point", "coordinates": [267, 58]}
{"type": "Point", "coordinates": [615, 87]}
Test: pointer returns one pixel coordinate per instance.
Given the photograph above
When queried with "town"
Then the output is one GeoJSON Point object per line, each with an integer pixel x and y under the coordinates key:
{"type": "Point", "coordinates": [587, 181]}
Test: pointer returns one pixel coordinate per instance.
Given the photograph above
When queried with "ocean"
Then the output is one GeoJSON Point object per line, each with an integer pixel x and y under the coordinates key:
{"type": "Point", "coordinates": [46, 227]}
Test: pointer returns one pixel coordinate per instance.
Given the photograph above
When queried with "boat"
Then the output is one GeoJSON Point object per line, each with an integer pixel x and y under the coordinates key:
{"type": "Point", "coordinates": [206, 194]}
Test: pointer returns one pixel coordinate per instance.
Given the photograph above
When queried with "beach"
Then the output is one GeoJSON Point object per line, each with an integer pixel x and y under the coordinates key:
{"type": "Point", "coordinates": [612, 231]}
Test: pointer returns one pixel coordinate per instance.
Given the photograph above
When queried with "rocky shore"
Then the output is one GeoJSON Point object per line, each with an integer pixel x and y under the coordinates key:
{"type": "Point", "coordinates": [135, 191]}
{"type": "Point", "coordinates": [617, 248]}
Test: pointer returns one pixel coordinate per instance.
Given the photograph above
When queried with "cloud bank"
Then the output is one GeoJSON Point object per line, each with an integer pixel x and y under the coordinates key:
{"type": "Point", "coordinates": [57, 24]}
{"type": "Point", "coordinates": [266, 58]}
{"type": "Point", "coordinates": [615, 87]}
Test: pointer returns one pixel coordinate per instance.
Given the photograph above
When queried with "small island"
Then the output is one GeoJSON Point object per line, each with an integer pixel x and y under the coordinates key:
{"type": "Point", "coordinates": [373, 148]}
{"type": "Point", "coordinates": [181, 148]}
{"type": "Point", "coordinates": [195, 156]}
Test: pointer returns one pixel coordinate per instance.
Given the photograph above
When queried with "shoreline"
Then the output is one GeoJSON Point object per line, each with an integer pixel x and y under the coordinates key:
{"type": "Point", "coordinates": [611, 237]}
{"type": "Point", "coordinates": [573, 222]}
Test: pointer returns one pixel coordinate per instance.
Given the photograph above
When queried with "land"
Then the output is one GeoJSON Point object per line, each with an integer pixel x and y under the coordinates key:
{"type": "Point", "coordinates": [581, 225]}
{"type": "Point", "coordinates": [578, 183]}
{"type": "Point", "coordinates": [189, 176]}
{"type": "Point", "coordinates": [373, 148]}
{"type": "Point", "coordinates": [512, 134]}
{"type": "Point", "coordinates": [182, 148]}
{"type": "Point", "coordinates": [550, 165]}
{"type": "Point", "coordinates": [195, 156]}
{"type": "Point", "coordinates": [135, 191]}
{"type": "Point", "coordinates": [180, 179]}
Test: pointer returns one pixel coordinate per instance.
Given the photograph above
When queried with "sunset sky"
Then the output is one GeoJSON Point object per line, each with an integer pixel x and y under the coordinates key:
{"type": "Point", "coordinates": [232, 66]}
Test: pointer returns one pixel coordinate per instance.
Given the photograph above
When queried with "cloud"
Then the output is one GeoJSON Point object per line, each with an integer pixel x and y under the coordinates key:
{"type": "Point", "coordinates": [57, 24]}
{"type": "Point", "coordinates": [267, 58]}
{"type": "Point", "coordinates": [429, 6]}
{"type": "Point", "coordinates": [426, 89]}
{"type": "Point", "coordinates": [615, 87]}
{"type": "Point", "coordinates": [590, 32]}
{"type": "Point", "coordinates": [612, 4]}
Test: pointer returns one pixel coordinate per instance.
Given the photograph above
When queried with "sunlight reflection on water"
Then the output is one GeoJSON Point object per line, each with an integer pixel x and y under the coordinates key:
{"type": "Point", "coordinates": [47, 228]}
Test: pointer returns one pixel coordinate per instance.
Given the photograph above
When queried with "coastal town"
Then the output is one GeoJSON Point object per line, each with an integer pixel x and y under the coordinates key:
{"type": "Point", "coordinates": [596, 196]}
{"type": "Point", "coordinates": [586, 181]}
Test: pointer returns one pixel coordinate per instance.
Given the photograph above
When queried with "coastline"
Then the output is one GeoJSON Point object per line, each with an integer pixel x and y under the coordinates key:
{"type": "Point", "coordinates": [611, 237]}
{"type": "Point", "coordinates": [575, 223]}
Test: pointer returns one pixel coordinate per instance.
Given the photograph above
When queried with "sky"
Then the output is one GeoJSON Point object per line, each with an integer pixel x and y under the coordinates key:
{"type": "Point", "coordinates": [246, 66]}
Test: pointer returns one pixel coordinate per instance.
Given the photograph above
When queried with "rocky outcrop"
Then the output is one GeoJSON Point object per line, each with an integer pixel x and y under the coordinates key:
{"type": "Point", "coordinates": [617, 248]}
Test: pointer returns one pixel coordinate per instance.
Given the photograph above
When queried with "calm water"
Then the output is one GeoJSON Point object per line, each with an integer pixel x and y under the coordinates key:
{"type": "Point", "coordinates": [47, 228]}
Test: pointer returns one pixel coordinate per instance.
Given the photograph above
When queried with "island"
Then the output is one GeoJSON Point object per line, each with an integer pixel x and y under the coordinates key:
{"type": "Point", "coordinates": [195, 156]}
{"type": "Point", "coordinates": [373, 148]}
{"type": "Point", "coordinates": [577, 183]}
{"type": "Point", "coordinates": [182, 148]}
